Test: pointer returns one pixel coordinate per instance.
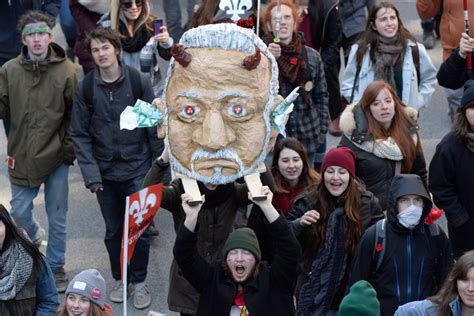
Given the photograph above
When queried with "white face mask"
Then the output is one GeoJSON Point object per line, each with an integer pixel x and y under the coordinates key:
{"type": "Point", "coordinates": [410, 216]}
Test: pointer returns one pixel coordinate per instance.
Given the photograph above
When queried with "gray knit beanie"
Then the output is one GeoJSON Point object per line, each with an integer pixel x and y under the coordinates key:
{"type": "Point", "coordinates": [89, 283]}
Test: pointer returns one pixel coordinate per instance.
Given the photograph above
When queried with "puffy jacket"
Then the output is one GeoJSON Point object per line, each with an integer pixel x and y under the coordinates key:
{"type": "Point", "coordinates": [415, 262]}
{"type": "Point", "coordinates": [416, 93]}
{"type": "Point", "coordinates": [10, 13]}
{"type": "Point", "coordinates": [269, 293]}
{"type": "Point", "coordinates": [453, 73]}
{"type": "Point", "coordinates": [427, 308]}
{"type": "Point", "coordinates": [452, 20]}
{"type": "Point", "coordinates": [451, 182]}
{"type": "Point", "coordinates": [37, 97]}
{"type": "Point", "coordinates": [103, 150]}
{"type": "Point", "coordinates": [376, 172]}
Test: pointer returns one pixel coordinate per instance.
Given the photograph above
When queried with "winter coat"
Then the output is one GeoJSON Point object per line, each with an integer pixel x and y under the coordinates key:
{"type": "Point", "coordinates": [453, 73]}
{"type": "Point", "coordinates": [427, 308]}
{"type": "Point", "coordinates": [86, 22]}
{"type": "Point", "coordinates": [215, 222]}
{"type": "Point", "coordinates": [376, 172]}
{"type": "Point", "coordinates": [37, 97]}
{"type": "Point", "coordinates": [103, 150]}
{"type": "Point", "coordinates": [10, 13]}
{"type": "Point", "coordinates": [451, 182]}
{"type": "Point", "coordinates": [452, 20]}
{"type": "Point", "coordinates": [269, 293]}
{"type": "Point", "coordinates": [309, 122]}
{"type": "Point", "coordinates": [354, 16]}
{"type": "Point", "coordinates": [415, 262]}
{"type": "Point", "coordinates": [416, 93]}
{"type": "Point", "coordinates": [38, 296]}
{"type": "Point", "coordinates": [369, 213]}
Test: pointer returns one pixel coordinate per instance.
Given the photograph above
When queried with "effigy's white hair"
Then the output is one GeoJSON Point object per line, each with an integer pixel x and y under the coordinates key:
{"type": "Point", "coordinates": [227, 36]}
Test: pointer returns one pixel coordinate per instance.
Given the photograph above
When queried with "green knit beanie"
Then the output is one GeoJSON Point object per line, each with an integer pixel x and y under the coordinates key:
{"type": "Point", "coordinates": [242, 238]}
{"type": "Point", "coordinates": [361, 300]}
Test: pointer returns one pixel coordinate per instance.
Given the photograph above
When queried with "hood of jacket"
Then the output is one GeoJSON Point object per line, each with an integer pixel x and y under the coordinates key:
{"type": "Point", "coordinates": [56, 54]}
{"type": "Point", "coordinates": [406, 184]}
{"type": "Point", "coordinates": [355, 126]}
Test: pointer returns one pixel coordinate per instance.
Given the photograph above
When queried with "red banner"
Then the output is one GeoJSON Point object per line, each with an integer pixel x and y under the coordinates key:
{"type": "Point", "coordinates": [142, 208]}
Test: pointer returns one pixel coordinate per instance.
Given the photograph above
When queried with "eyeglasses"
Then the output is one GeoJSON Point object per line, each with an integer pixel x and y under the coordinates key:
{"type": "Point", "coordinates": [128, 5]}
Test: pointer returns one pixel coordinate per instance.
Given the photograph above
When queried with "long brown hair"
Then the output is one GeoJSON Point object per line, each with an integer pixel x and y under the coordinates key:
{"type": "Point", "coordinates": [205, 13]}
{"type": "Point", "coordinates": [461, 125]}
{"type": "Point", "coordinates": [401, 123]}
{"type": "Point", "coordinates": [449, 290]}
{"type": "Point", "coordinates": [370, 37]}
{"type": "Point", "coordinates": [321, 200]}
{"type": "Point", "coordinates": [146, 9]}
{"type": "Point", "coordinates": [308, 175]}
{"type": "Point", "coordinates": [95, 310]}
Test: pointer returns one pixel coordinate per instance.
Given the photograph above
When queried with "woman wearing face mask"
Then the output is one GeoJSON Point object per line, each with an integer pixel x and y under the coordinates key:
{"type": "Point", "coordinates": [133, 19]}
{"type": "Point", "coordinates": [384, 138]}
{"type": "Point", "coordinates": [292, 174]}
{"type": "Point", "coordinates": [387, 51]}
{"type": "Point", "coordinates": [85, 296]}
{"type": "Point", "coordinates": [403, 258]}
{"type": "Point", "coordinates": [455, 298]}
{"type": "Point", "coordinates": [451, 175]}
{"type": "Point", "coordinates": [27, 284]}
{"type": "Point", "coordinates": [329, 221]}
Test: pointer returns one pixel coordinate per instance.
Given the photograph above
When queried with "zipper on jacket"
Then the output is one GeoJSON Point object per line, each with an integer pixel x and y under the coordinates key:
{"type": "Point", "coordinates": [409, 268]}
{"type": "Point", "coordinates": [395, 266]}
{"type": "Point", "coordinates": [111, 95]}
{"type": "Point", "coordinates": [422, 266]}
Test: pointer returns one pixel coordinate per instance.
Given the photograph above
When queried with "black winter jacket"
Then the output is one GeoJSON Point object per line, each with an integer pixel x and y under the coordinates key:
{"type": "Point", "coordinates": [270, 293]}
{"type": "Point", "coordinates": [415, 262]}
{"type": "Point", "coordinates": [452, 182]}
{"type": "Point", "coordinates": [452, 73]}
{"type": "Point", "coordinates": [103, 150]}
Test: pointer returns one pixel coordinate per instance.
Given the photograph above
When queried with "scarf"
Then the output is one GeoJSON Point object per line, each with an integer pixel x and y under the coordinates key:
{"type": "Point", "coordinates": [137, 41]}
{"type": "Point", "coordinates": [327, 270]}
{"type": "Point", "coordinates": [384, 148]}
{"type": "Point", "coordinates": [387, 53]}
{"type": "Point", "coordinates": [15, 269]}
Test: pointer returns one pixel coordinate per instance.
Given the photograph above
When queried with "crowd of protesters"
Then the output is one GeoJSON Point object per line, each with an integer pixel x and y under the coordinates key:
{"type": "Point", "coordinates": [346, 231]}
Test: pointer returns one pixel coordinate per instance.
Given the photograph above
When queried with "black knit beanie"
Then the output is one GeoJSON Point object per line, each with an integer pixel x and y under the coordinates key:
{"type": "Point", "coordinates": [468, 95]}
{"type": "Point", "coordinates": [242, 238]}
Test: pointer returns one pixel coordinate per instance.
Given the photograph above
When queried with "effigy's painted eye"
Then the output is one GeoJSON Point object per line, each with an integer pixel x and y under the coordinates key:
{"type": "Point", "coordinates": [189, 111]}
{"type": "Point", "coordinates": [237, 110]}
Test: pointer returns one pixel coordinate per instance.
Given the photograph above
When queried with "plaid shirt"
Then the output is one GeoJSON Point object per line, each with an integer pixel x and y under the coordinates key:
{"type": "Point", "coordinates": [309, 122]}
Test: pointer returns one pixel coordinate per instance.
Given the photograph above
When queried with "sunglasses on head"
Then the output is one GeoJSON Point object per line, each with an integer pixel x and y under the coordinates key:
{"type": "Point", "coordinates": [128, 5]}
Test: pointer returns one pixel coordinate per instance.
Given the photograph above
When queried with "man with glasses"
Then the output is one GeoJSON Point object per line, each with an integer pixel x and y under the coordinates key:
{"type": "Point", "coordinates": [402, 257]}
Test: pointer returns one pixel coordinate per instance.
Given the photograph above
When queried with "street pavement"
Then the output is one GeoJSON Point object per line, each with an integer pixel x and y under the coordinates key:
{"type": "Point", "coordinates": [85, 226]}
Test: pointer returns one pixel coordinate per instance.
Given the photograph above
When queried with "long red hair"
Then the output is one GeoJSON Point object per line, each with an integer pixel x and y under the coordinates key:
{"type": "Point", "coordinates": [401, 123]}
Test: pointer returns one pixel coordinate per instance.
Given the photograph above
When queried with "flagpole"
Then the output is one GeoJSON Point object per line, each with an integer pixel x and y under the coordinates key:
{"type": "Point", "coordinates": [258, 18]}
{"type": "Point", "coordinates": [466, 30]}
{"type": "Point", "coordinates": [125, 256]}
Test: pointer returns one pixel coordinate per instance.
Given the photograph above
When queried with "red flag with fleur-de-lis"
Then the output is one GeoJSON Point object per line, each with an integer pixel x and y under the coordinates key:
{"type": "Point", "coordinates": [142, 207]}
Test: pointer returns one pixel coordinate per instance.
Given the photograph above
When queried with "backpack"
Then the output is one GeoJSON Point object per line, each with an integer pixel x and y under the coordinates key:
{"type": "Point", "coordinates": [88, 87]}
{"type": "Point", "coordinates": [415, 55]}
{"type": "Point", "coordinates": [380, 242]}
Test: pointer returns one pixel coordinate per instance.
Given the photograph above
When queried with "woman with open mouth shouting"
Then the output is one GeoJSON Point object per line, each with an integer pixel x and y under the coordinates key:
{"type": "Point", "coordinates": [383, 134]}
{"type": "Point", "coordinates": [329, 221]}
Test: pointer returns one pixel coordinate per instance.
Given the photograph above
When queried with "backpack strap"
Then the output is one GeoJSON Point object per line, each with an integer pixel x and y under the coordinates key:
{"type": "Point", "coordinates": [415, 55]}
{"type": "Point", "coordinates": [379, 245]}
{"type": "Point", "coordinates": [88, 87]}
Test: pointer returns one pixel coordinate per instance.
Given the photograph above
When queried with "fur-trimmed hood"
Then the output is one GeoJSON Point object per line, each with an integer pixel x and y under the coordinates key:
{"type": "Point", "coordinates": [354, 124]}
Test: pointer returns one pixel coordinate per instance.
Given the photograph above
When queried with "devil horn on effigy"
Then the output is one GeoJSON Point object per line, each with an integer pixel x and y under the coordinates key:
{"type": "Point", "coordinates": [252, 61]}
{"type": "Point", "coordinates": [180, 55]}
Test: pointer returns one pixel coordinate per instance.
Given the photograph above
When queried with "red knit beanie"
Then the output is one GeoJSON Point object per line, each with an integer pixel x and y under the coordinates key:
{"type": "Point", "coordinates": [342, 157]}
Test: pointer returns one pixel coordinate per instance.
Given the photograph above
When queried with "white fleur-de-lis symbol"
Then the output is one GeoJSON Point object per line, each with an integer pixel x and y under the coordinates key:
{"type": "Point", "coordinates": [139, 208]}
{"type": "Point", "coordinates": [235, 7]}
